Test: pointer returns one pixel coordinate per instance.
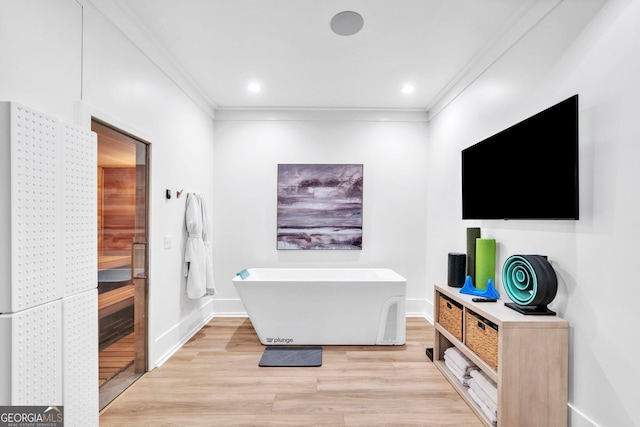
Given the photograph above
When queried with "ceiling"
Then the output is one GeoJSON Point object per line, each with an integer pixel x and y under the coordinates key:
{"type": "Point", "coordinates": [213, 49]}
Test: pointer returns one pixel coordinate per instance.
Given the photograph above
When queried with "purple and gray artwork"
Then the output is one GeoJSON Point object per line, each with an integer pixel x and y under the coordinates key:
{"type": "Point", "coordinates": [319, 206]}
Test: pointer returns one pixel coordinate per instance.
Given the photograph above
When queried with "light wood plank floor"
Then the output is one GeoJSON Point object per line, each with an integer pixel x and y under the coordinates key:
{"type": "Point", "coordinates": [215, 380]}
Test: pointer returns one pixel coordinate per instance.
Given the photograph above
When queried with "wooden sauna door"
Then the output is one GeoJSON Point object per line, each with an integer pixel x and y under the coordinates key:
{"type": "Point", "coordinates": [123, 171]}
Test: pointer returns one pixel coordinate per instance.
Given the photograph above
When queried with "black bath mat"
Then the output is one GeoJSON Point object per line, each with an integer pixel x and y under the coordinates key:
{"type": "Point", "coordinates": [291, 356]}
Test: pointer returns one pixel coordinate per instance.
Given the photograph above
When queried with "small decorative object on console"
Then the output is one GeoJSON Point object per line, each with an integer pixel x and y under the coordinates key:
{"type": "Point", "coordinates": [489, 292]}
{"type": "Point", "coordinates": [531, 282]}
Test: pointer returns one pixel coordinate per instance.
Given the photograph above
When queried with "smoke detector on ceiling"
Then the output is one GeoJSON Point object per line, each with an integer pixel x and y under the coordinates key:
{"type": "Point", "coordinates": [347, 23]}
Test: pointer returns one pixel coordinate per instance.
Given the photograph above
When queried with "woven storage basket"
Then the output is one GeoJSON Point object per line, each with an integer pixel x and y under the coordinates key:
{"type": "Point", "coordinates": [481, 337]}
{"type": "Point", "coordinates": [450, 316]}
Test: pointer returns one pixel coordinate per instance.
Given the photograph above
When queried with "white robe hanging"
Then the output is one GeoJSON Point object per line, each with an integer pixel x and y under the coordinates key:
{"type": "Point", "coordinates": [197, 254]}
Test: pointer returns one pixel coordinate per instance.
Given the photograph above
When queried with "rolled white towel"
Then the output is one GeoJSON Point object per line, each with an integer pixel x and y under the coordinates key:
{"type": "Point", "coordinates": [460, 359]}
{"type": "Point", "coordinates": [491, 415]}
{"type": "Point", "coordinates": [453, 367]}
{"type": "Point", "coordinates": [491, 405]}
{"type": "Point", "coordinates": [462, 378]}
{"type": "Point", "coordinates": [486, 384]}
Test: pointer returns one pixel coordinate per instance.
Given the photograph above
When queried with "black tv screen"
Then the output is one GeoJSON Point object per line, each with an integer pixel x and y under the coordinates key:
{"type": "Point", "coordinates": [528, 171]}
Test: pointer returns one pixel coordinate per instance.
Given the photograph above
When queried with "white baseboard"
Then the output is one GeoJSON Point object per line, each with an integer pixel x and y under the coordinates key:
{"type": "Point", "coordinates": [180, 333]}
{"type": "Point", "coordinates": [578, 419]}
{"type": "Point", "coordinates": [232, 307]}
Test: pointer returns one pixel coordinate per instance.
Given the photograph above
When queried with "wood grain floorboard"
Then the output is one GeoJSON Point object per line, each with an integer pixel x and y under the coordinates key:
{"type": "Point", "coordinates": [215, 380]}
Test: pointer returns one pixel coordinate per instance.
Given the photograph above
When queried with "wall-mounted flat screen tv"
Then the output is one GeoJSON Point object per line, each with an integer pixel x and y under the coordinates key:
{"type": "Point", "coordinates": [527, 171]}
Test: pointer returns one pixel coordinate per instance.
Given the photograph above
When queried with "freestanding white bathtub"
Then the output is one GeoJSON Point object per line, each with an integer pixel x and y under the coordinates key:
{"type": "Point", "coordinates": [325, 306]}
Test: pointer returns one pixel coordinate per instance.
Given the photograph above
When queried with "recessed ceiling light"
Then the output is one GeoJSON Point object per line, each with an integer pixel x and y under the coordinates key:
{"type": "Point", "coordinates": [347, 23]}
{"type": "Point", "coordinates": [407, 89]}
{"type": "Point", "coordinates": [254, 87]}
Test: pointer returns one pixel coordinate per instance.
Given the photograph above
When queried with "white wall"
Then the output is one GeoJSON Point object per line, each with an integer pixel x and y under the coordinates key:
{"type": "Point", "coordinates": [37, 69]}
{"type": "Point", "coordinates": [65, 59]}
{"type": "Point", "coordinates": [126, 89]}
{"type": "Point", "coordinates": [250, 145]}
{"type": "Point", "coordinates": [593, 256]}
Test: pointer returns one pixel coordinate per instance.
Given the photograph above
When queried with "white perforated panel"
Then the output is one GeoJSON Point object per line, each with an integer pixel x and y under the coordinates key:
{"type": "Point", "coordinates": [5, 359]}
{"type": "Point", "coordinates": [80, 359]}
{"type": "Point", "coordinates": [49, 169]}
{"type": "Point", "coordinates": [35, 205]}
{"type": "Point", "coordinates": [80, 209]}
{"type": "Point", "coordinates": [36, 355]}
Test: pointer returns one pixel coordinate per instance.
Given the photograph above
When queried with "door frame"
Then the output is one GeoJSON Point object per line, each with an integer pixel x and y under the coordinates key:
{"type": "Point", "coordinates": [144, 362]}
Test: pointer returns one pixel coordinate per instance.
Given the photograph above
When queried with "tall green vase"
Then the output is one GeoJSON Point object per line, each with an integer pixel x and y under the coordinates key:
{"type": "Point", "coordinates": [485, 262]}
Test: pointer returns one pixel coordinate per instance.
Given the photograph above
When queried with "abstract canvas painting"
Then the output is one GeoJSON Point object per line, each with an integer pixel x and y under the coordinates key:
{"type": "Point", "coordinates": [320, 206]}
